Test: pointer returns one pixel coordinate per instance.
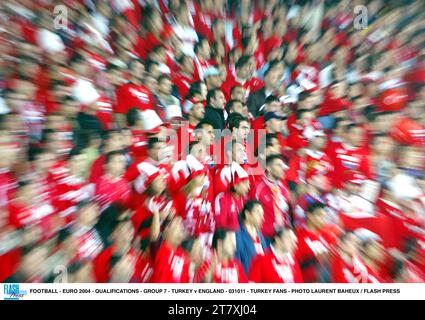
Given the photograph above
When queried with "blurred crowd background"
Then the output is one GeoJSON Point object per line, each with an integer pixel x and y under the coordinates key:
{"type": "Point", "coordinates": [212, 141]}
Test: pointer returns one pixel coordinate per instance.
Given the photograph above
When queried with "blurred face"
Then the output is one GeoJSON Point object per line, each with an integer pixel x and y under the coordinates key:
{"type": "Point", "coordinates": [32, 263]}
{"type": "Point", "coordinates": [274, 125]}
{"type": "Point", "coordinates": [238, 153]}
{"type": "Point", "coordinates": [219, 100]}
{"type": "Point", "coordinates": [116, 166]}
{"type": "Point", "coordinates": [115, 142]}
{"type": "Point", "coordinates": [77, 163]}
{"type": "Point", "coordinates": [356, 136]}
{"type": "Point", "coordinates": [165, 87]}
{"type": "Point", "coordinates": [197, 253]}
{"type": "Point", "coordinates": [243, 131]}
{"type": "Point", "coordinates": [44, 162]}
{"type": "Point", "coordinates": [158, 185]}
{"type": "Point", "coordinates": [123, 270]}
{"type": "Point", "coordinates": [244, 71]}
{"type": "Point", "coordinates": [199, 152]}
{"type": "Point", "coordinates": [256, 216]}
{"type": "Point", "coordinates": [123, 236]}
{"type": "Point", "coordinates": [197, 111]}
{"type": "Point", "coordinates": [349, 245]}
{"type": "Point", "coordinates": [272, 79]}
{"type": "Point", "coordinates": [238, 94]}
{"type": "Point", "coordinates": [318, 218]}
{"type": "Point", "coordinates": [154, 151]}
{"type": "Point", "coordinates": [318, 142]}
{"type": "Point", "coordinates": [384, 123]}
{"type": "Point", "coordinates": [239, 108]}
{"type": "Point", "coordinates": [87, 216]}
{"type": "Point", "coordinates": [276, 169]}
{"type": "Point", "coordinates": [383, 146]}
{"type": "Point", "coordinates": [188, 65]}
{"type": "Point", "coordinates": [229, 244]}
{"type": "Point", "coordinates": [375, 251]}
{"type": "Point", "coordinates": [242, 188]}
{"type": "Point", "coordinates": [352, 188]}
{"type": "Point", "coordinates": [273, 107]}
{"type": "Point", "coordinates": [175, 232]}
{"type": "Point", "coordinates": [207, 135]}
{"type": "Point", "coordinates": [204, 91]}
{"type": "Point", "coordinates": [289, 241]}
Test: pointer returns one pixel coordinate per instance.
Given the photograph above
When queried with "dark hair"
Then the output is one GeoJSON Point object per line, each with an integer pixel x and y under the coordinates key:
{"type": "Point", "coordinates": [211, 94]}
{"type": "Point", "coordinates": [279, 233]}
{"type": "Point", "coordinates": [303, 96]}
{"type": "Point", "coordinates": [273, 157]}
{"type": "Point", "coordinates": [150, 64]}
{"type": "Point", "coordinates": [151, 142]}
{"type": "Point", "coordinates": [350, 127]}
{"type": "Point", "coordinates": [249, 206]}
{"type": "Point", "coordinates": [230, 104]}
{"type": "Point", "coordinates": [74, 152]}
{"type": "Point", "coordinates": [195, 88]}
{"type": "Point", "coordinates": [269, 139]}
{"type": "Point", "coordinates": [162, 77]}
{"type": "Point", "coordinates": [270, 99]}
{"type": "Point", "coordinates": [300, 112]}
{"type": "Point", "coordinates": [235, 120]}
{"type": "Point", "coordinates": [192, 144]}
{"type": "Point", "coordinates": [219, 235]}
{"type": "Point", "coordinates": [133, 115]}
{"type": "Point", "coordinates": [199, 44]}
{"type": "Point", "coordinates": [202, 123]}
{"type": "Point", "coordinates": [112, 154]}
{"type": "Point", "coordinates": [132, 62]}
{"type": "Point", "coordinates": [242, 61]}
{"type": "Point", "coordinates": [234, 88]}
{"type": "Point", "coordinates": [188, 243]}
{"type": "Point", "coordinates": [313, 207]}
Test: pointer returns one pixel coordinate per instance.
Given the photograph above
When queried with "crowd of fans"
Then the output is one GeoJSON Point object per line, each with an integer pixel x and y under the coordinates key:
{"type": "Point", "coordinates": [212, 141]}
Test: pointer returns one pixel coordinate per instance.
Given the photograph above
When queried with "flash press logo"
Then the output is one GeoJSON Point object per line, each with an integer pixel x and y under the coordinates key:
{"type": "Point", "coordinates": [13, 292]}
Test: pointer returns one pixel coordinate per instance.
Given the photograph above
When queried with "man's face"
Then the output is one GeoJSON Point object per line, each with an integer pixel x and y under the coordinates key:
{"type": "Point", "coordinates": [153, 153]}
{"type": "Point", "coordinates": [238, 94]}
{"type": "Point", "coordinates": [116, 166]}
{"type": "Point", "coordinates": [188, 66]}
{"type": "Point", "coordinates": [199, 152]}
{"type": "Point", "coordinates": [242, 188]}
{"type": "Point", "coordinates": [44, 162]}
{"type": "Point", "coordinates": [383, 145]}
{"type": "Point", "coordinates": [206, 50]}
{"type": "Point", "coordinates": [229, 244]}
{"type": "Point", "coordinates": [198, 111]}
{"type": "Point", "coordinates": [289, 241]}
{"type": "Point", "coordinates": [274, 125]}
{"type": "Point", "coordinates": [123, 236]}
{"type": "Point", "coordinates": [76, 164]}
{"type": "Point", "coordinates": [277, 169]}
{"type": "Point", "coordinates": [175, 232]}
{"type": "Point", "coordinates": [273, 107]}
{"type": "Point", "coordinates": [238, 153]}
{"type": "Point", "coordinates": [243, 131]}
{"type": "Point", "coordinates": [257, 216]}
{"type": "Point", "coordinates": [158, 185]}
{"type": "Point", "coordinates": [356, 136]}
{"type": "Point", "coordinates": [165, 87]}
{"type": "Point", "coordinates": [318, 218]}
{"type": "Point", "coordinates": [115, 142]}
{"type": "Point", "coordinates": [244, 71]}
{"type": "Point", "coordinates": [88, 215]}
{"type": "Point", "coordinates": [207, 135]}
{"type": "Point", "coordinates": [272, 79]}
{"type": "Point", "coordinates": [219, 100]}
{"type": "Point", "coordinates": [318, 142]}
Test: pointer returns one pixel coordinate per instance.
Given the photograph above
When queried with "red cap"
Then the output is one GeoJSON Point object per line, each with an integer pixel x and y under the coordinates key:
{"type": "Point", "coordinates": [393, 99]}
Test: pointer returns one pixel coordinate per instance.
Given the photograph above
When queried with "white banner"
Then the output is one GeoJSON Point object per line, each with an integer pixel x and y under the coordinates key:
{"type": "Point", "coordinates": [212, 292]}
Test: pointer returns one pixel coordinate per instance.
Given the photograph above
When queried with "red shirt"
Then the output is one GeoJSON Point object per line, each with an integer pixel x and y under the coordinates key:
{"type": "Point", "coordinates": [275, 199]}
{"type": "Point", "coordinates": [110, 190]}
{"type": "Point", "coordinates": [270, 269]}
{"type": "Point", "coordinates": [171, 265]}
{"type": "Point", "coordinates": [182, 82]}
{"type": "Point", "coordinates": [227, 209]}
{"type": "Point", "coordinates": [302, 168]}
{"type": "Point", "coordinates": [347, 159]}
{"type": "Point", "coordinates": [310, 246]}
{"type": "Point", "coordinates": [230, 272]}
{"type": "Point", "coordinates": [97, 169]}
{"type": "Point", "coordinates": [251, 85]}
{"type": "Point", "coordinates": [133, 96]}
